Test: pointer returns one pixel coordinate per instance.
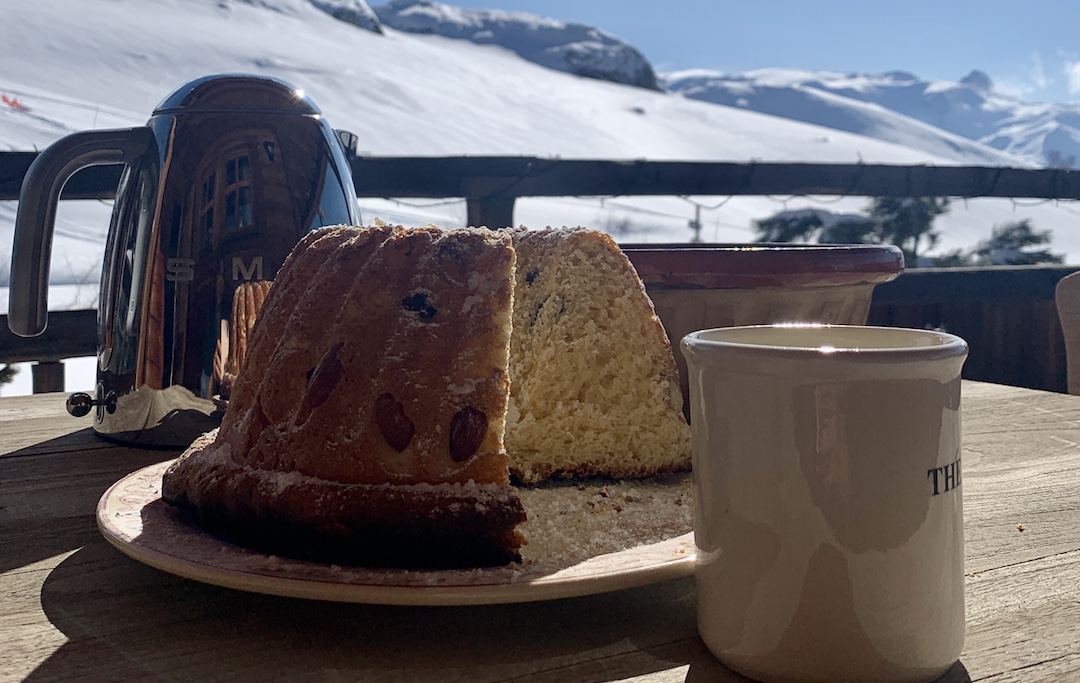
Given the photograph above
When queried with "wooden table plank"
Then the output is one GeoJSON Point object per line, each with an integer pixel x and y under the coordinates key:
{"type": "Point", "coordinates": [29, 424]}
{"type": "Point", "coordinates": [72, 608]}
{"type": "Point", "coordinates": [1020, 450]}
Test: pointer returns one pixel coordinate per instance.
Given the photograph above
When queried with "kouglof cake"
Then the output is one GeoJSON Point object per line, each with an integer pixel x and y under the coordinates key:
{"type": "Point", "coordinates": [367, 424]}
{"type": "Point", "coordinates": [395, 379]}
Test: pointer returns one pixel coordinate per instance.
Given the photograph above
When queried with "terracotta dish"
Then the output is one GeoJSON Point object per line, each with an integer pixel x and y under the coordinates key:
{"type": "Point", "coordinates": [702, 286]}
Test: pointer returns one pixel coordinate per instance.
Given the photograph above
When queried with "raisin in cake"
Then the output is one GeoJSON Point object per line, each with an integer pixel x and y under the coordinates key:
{"type": "Point", "coordinates": [367, 425]}
{"type": "Point", "coordinates": [594, 389]}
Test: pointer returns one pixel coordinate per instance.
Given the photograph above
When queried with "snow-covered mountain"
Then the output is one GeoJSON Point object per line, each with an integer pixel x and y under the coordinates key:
{"type": "Point", "coordinates": [896, 106]}
{"type": "Point", "coordinates": [891, 106]}
{"type": "Point", "coordinates": [403, 94]}
{"type": "Point", "coordinates": [824, 108]}
{"type": "Point", "coordinates": [574, 48]}
{"type": "Point", "coordinates": [355, 12]}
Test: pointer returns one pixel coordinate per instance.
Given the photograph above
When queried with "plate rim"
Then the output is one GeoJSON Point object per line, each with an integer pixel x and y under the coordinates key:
{"type": "Point", "coordinates": [549, 587]}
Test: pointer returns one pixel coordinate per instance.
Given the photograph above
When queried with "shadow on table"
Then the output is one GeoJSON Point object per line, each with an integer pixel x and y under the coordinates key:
{"type": "Point", "coordinates": [128, 621]}
{"type": "Point", "coordinates": [957, 674]}
{"type": "Point", "coordinates": [705, 669]}
{"type": "Point", "coordinates": [49, 491]}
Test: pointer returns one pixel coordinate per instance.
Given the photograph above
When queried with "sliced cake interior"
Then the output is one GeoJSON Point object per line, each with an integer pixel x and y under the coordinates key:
{"type": "Point", "coordinates": [594, 386]}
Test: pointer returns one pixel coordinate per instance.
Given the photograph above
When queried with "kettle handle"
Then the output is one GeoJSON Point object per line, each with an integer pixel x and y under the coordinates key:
{"type": "Point", "coordinates": [31, 249]}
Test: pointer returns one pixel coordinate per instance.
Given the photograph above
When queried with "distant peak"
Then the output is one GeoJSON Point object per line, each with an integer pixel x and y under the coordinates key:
{"type": "Point", "coordinates": [571, 47]}
{"type": "Point", "coordinates": [355, 12]}
{"type": "Point", "coordinates": [978, 80]}
{"type": "Point", "coordinates": [898, 76]}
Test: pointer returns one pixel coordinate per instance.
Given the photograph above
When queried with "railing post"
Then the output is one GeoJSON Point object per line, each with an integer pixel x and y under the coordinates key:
{"type": "Point", "coordinates": [490, 212]}
{"type": "Point", "coordinates": [47, 376]}
{"type": "Point", "coordinates": [489, 203]}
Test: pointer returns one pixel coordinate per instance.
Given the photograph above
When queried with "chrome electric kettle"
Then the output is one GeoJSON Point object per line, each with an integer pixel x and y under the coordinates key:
{"type": "Point", "coordinates": [222, 182]}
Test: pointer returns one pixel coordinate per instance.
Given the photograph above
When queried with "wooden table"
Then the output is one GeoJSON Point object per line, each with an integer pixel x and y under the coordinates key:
{"type": "Point", "coordinates": [72, 607]}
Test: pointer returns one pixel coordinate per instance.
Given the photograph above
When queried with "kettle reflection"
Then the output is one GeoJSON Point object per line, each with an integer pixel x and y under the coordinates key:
{"type": "Point", "coordinates": [226, 177]}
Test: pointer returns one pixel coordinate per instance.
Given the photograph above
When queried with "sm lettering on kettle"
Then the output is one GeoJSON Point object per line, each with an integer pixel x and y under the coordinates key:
{"type": "Point", "coordinates": [245, 271]}
{"type": "Point", "coordinates": [945, 478]}
{"type": "Point", "coordinates": [180, 269]}
{"type": "Point", "coordinates": [183, 269]}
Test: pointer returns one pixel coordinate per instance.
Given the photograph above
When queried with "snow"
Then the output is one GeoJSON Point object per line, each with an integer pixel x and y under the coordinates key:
{"type": "Point", "coordinates": [970, 109]}
{"type": "Point", "coordinates": [81, 64]}
{"type": "Point", "coordinates": [355, 12]}
{"type": "Point", "coordinates": [782, 97]}
{"type": "Point", "coordinates": [571, 47]}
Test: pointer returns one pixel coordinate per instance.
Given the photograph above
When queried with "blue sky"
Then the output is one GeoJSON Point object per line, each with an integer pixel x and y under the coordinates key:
{"type": "Point", "coordinates": [1030, 48]}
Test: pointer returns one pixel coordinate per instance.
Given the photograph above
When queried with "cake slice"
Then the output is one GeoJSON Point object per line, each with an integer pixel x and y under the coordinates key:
{"type": "Point", "coordinates": [367, 425]}
{"type": "Point", "coordinates": [594, 386]}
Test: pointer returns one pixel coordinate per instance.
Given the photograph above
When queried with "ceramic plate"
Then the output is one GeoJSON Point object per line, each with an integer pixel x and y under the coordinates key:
{"type": "Point", "coordinates": [584, 538]}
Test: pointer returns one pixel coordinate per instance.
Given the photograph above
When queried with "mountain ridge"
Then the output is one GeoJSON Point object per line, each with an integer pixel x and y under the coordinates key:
{"type": "Point", "coordinates": [971, 111]}
{"type": "Point", "coordinates": [971, 108]}
{"type": "Point", "coordinates": [571, 47]}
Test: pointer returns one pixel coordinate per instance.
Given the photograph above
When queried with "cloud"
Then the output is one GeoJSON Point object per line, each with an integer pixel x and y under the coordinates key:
{"type": "Point", "coordinates": [1038, 74]}
{"type": "Point", "coordinates": [1012, 88]}
{"type": "Point", "coordinates": [1072, 74]}
{"type": "Point", "coordinates": [1034, 80]}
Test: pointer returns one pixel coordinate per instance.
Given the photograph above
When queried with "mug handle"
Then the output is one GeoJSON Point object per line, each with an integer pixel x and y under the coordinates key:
{"type": "Point", "coordinates": [31, 250]}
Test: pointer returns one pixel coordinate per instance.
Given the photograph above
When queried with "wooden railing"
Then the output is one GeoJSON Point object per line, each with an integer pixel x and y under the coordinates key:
{"type": "Point", "coordinates": [490, 185]}
{"type": "Point", "coordinates": [1006, 314]}
{"type": "Point", "coordinates": [69, 334]}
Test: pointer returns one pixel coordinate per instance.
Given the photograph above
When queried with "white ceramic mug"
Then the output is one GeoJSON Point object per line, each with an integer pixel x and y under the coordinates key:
{"type": "Point", "coordinates": [828, 513]}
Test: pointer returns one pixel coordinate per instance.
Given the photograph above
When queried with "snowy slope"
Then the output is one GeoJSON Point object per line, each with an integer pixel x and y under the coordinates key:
{"type": "Point", "coordinates": [79, 64]}
{"type": "Point", "coordinates": [805, 102]}
{"type": "Point", "coordinates": [401, 93]}
{"type": "Point", "coordinates": [970, 108]}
